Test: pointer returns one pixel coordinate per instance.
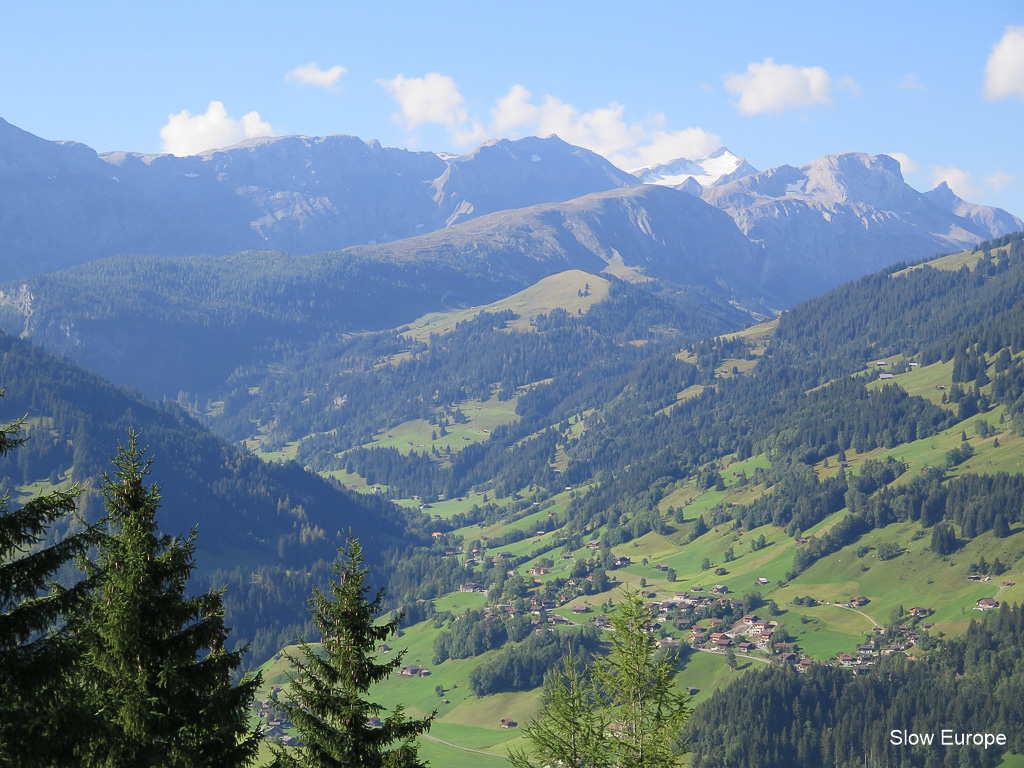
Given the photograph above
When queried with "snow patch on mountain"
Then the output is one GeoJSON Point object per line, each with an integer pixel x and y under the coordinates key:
{"type": "Point", "coordinates": [713, 168]}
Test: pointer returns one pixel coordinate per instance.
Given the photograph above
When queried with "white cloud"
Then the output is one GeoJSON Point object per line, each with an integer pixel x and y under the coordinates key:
{"type": "Point", "coordinates": [513, 111]}
{"type": "Point", "coordinates": [907, 165]}
{"type": "Point", "coordinates": [963, 184]}
{"type": "Point", "coordinates": [1004, 72]}
{"type": "Point", "coordinates": [311, 74]}
{"type": "Point", "coordinates": [910, 83]}
{"type": "Point", "coordinates": [605, 130]}
{"type": "Point", "coordinates": [662, 146]}
{"type": "Point", "coordinates": [849, 84]}
{"type": "Point", "coordinates": [771, 87]}
{"type": "Point", "coordinates": [431, 99]}
{"type": "Point", "coordinates": [601, 130]}
{"type": "Point", "coordinates": [999, 180]}
{"type": "Point", "coordinates": [188, 134]}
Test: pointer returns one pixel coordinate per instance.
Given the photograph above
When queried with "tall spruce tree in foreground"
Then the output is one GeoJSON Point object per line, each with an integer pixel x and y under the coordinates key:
{"type": "Point", "coordinates": [569, 731]}
{"type": "Point", "coordinates": [34, 653]}
{"type": "Point", "coordinates": [328, 691]}
{"type": "Point", "coordinates": [157, 675]}
{"type": "Point", "coordinates": [624, 711]}
{"type": "Point", "coordinates": [646, 712]}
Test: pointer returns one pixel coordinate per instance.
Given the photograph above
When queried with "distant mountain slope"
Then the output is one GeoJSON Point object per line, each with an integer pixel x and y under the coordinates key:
{"type": "Point", "coordinates": [163, 325]}
{"type": "Point", "coordinates": [61, 204]}
{"type": "Point", "coordinates": [504, 174]}
{"type": "Point", "coordinates": [76, 419]}
{"type": "Point", "coordinates": [845, 215]}
{"type": "Point", "coordinates": [659, 232]}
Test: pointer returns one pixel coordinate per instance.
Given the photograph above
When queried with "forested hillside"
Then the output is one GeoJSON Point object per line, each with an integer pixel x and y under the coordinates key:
{"type": "Point", "coordinates": [258, 523]}
{"type": "Point", "coordinates": [971, 685]}
{"type": "Point", "coordinates": [865, 446]}
{"type": "Point", "coordinates": [863, 450]}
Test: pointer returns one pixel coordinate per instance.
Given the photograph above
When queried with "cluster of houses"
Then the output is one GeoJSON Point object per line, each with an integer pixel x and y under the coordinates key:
{"type": "Point", "coordinates": [538, 607]}
{"type": "Point", "coordinates": [905, 636]}
{"type": "Point", "coordinates": [413, 670]}
{"type": "Point", "coordinates": [750, 634]}
{"type": "Point", "coordinates": [275, 722]}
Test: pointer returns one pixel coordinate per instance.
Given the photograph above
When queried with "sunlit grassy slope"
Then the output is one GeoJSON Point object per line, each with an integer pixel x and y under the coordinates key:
{"type": "Point", "coordinates": [561, 291]}
{"type": "Point", "coordinates": [952, 261]}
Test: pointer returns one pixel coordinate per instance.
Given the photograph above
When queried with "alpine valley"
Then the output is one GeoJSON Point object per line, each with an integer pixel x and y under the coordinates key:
{"type": "Point", "coordinates": [786, 405]}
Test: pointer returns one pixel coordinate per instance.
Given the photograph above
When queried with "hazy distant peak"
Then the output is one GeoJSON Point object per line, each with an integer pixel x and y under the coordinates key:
{"type": "Point", "coordinates": [713, 168]}
{"type": "Point", "coordinates": [856, 177]}
{"type": "Point", "coordinates": [995, 220]}
{"type": "Point", "coordinates": [942, 195]}
{"type": "Point", "coordinates": [524, 147]}
{"type": "Point", "coordinates": [692, 186]}
{"type": "Point", "coordinates": [837, 179]}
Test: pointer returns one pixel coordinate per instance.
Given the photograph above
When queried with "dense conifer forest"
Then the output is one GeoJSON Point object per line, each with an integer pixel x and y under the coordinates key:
{"type": "Point", "coordinates": [828, 716]}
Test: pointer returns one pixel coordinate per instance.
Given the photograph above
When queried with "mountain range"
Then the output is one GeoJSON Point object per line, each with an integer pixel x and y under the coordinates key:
{"type": "Point", "coordinates": [790, 232]}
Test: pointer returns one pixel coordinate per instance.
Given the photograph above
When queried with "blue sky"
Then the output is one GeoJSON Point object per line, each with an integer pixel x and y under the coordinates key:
{"type": "Point", "coordinates": [940, 84]}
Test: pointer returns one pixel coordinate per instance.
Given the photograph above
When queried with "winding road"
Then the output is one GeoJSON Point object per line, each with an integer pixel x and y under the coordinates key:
{"type": "Point", "coordinates": [464, 749]}
{"type": "Point", "coordinates": [847, 608]}
{"type": "Point", "coordinates": [737, 655]}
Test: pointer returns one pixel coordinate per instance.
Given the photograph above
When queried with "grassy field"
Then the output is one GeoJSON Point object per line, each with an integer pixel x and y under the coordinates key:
{"type": "Point", "coordinates": [923, 381]}
{"type": "Point", "coordinates": [25, 493]}
{"type": "Point", "coordinates": [952, 262]}
{"type": "Point", "coordinates": [420, 435]}
{"type": "Point", "coordinates": [757, 334]}
{"type": "Point", "coordinates": [1012, 761]}
{"type": "Point", "coordinates": [561, 291]}
{"type": "Point", "coordinates": [287, 453]}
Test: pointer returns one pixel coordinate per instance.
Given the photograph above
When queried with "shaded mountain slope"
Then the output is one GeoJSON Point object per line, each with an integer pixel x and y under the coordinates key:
{"type": "Point", "coordinates": [192, 321]}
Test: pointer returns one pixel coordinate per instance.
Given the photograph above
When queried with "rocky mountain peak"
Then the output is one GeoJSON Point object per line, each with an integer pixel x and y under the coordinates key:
{"type": "Point", "coordinates": [716, 167]}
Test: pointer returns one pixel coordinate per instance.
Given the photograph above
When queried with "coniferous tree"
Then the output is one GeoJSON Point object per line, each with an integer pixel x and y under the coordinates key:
{"type": "Point", "coordinates": [156, 673]}
{"type": "Point", "coordinates": [569, 729]}
{"type": "Point", "coordinates": [328, 691]}
{"type": "Point", "coordinates": [624, 711]}
{"type": "Point", "coordinates": [699, 528]}
{"type": "Point", "coordinates": [645, 712]}
{"type": "Point", "coordinates": [34, 655]}
{"type": "Point", "coordinates": [943, 539]}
